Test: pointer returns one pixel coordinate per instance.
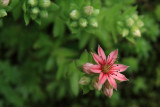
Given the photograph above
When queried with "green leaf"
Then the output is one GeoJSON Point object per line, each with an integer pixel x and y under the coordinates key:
{"type": "Point", "coordinates": [83, 59]}
{"type": "Point", "coordinates": [59, 28]}
{"type": "Point", "coordinates": [74, 79]}
{"type": "Point", "coordinates": [38, 21]}
{"type": "Point", "coordinates": [26, 19]}
{"type": "Point", "coordinates": [24, 7]}
{"type": "Point", "coordinates": [85, 89]}
{"type": "Point", "coordinates": [54, 6]}
{"type": "Point", "coordinates": [83, 40]}
{"type": "Point", "coordinates": [131, 39]}
{"type": "Point", "coordinates": [61, 68]}
{"type": "Point", "coordinates": [50, 63]}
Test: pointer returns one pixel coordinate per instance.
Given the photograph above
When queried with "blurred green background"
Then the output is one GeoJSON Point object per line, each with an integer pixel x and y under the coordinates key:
{"type": "Point", "coordinates": [40, 41]}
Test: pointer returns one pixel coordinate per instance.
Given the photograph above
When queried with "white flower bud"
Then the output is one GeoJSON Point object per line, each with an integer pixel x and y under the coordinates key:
{"type": "Point", "coordinates": [44, 14]}
{"type": "Point", "coordinates": [84, 80]}
{"type": "Point", "coordinates": [125, 32]}
{"type": "Point", "coordinates": [96, 12]}
{"type": "Point", "coordinates": [88, 10]}
{"type": "Point", "coordinates": [140, 23]}
{"type": "Point", "coordinates": [129, 22]}
{"type": "Point", "coordinates": [74, 14]}
{"type": "Point", "coordinates": [74, 24]}
{"type": "Point", "coordinates": [32, 2]}
{"type": "Point", "coordinates": [136, 32]}
{"type": "Point", "coordinates": [83, 22]}
{"type": "Point", "coordinates": [44, 3]}
{"type": "Point", "coordinates": [93, 22]}
{"type": "Point", "coordinates": [3, 13]}
{"type": "Point", "coordinates": [135, 16]}
{"type": "Point", "coordinates": [35, 10]}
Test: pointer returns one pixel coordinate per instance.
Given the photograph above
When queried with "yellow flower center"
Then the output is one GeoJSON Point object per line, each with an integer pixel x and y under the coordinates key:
{"type": "Point", "coordinates": [106, 68]}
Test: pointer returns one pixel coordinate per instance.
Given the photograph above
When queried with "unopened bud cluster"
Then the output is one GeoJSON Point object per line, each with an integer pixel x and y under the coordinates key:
{"type": "Point", "coordinates": [93, 81]}
{"type": "Point", "coordinates": [130, 26]}
{"type": "Point", "coordinates": [3, 4]}
{"type": "Point", "coordinates": [84, 18]}
{"type": "Point", "coordinates": [36, 9]}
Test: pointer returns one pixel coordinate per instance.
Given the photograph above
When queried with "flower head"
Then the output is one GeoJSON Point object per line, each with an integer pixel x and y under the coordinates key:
{"type": "Point", "coordinates": [107, 68]}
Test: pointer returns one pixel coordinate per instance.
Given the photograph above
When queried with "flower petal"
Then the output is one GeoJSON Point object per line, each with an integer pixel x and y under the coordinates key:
{"type": "Point", "coordinates": [96, 67]}
{"type": "Point", "coordinates": [101, 53]}
{"type": "Point", "coordinates": [112, 57]}
{"type": "Point", "coordinates": [119, 67]}
{"type": "Point", "coordinates": [119, 77]}
{"type": "Point", "coordinates": [102, 78]}
{"type": "Point", "coordinates": [95, 70]}
{"type": "Point", "coordinates": [97, 59]}
{"type": "Point", "coordinates": [112, 82]}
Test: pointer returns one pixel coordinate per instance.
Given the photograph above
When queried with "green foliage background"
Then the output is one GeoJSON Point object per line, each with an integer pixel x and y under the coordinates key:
{"type": "Point", "coordinates": [37, 56]}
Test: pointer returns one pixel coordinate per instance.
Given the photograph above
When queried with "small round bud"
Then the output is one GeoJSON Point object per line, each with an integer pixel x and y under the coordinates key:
{"type": "Point", "coordinates": [4, 3]}
{"type": "Point", "coordinates": [140, 23]}
{"type": "Point", "coordinates": [96, 12]}
{"type": "Point", "coordinates": [84, 80]}
{"type": "Point", "coordinates": [44, 14]}
{"type": "Point", "coordinates": [74, 24]}
{"type": "Point", "coordinates": [135, 16]}
{"type": "Point", "coordinates": [32, 2]}
{"type": "Point", "coordinates": [93, 23]}
{"type": "Point", "coordinates": [44, 3]}
{"type": "Point", "coordinates": [108, 90]}
{"type": "Point", "coordinates": [136, 32]}
{"type": "Point", "coordinates": [88, 10]}
{"type": "Point", "coordinates": [83, 22]}
{"type": "Point", "coordinates": [35, 10]}
{"type": "Point", "coordinates": [3, 13]}
{"type": "Point", "coordinates": [74, 14]}
{"type": "Point", "coordinates": [129, 22]}
{"type": "Point", "coordinates": [96, 84]}
{"type": "Point", "coordinates": [125, 32]}
{"type": "Point", "coordinates": [87, 67]}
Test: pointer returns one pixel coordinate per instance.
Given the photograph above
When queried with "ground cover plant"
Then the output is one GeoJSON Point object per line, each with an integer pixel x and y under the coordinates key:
{"type": "Point", "coordinates": [66, 52]}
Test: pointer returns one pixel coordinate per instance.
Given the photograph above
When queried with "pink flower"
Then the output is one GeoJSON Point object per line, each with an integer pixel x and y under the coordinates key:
{"type": "Point", "coordinates": [107, 68]}
{"type": "Point", "coordinates": [87, 67]}
{"type": "Point", "coordinates": [108, 90]}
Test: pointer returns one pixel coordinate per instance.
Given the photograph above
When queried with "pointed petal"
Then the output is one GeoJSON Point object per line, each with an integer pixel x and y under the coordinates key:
{"type": "Point", "coordinates": [112, 82]}
{"type": "Point", "coordinates": [97, 59]}
{"type": "Point", "coordinates": [119, 77]}
{"type": "Point", "coordinates": [112, 57]}
{"type": "Point", "coordinates": [119, 67]}
{"type": "Point", "coordinates": [95, 70]}
{"type": "Point", "coordinates": [102, 78]}
{"type": "Point", "coordinates": [101, 75]}
{"type": "Point", "coordinates": [101, 53]}
{"type": "Point", "coordinates": [96, 67]}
